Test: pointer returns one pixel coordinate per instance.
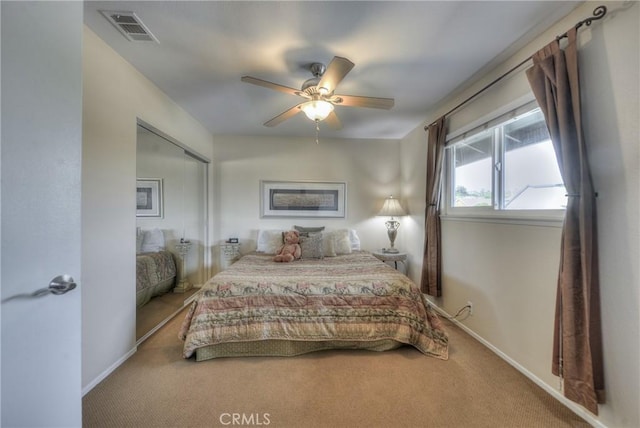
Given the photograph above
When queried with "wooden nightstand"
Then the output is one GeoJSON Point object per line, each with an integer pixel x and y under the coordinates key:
{"type": "Point", "coordinates": [229, 253]}
{"type": "Point", "coordinates": [392, 257]}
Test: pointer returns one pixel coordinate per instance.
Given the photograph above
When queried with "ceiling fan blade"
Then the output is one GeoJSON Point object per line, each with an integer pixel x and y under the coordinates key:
{"type": "Point", "coordinates": [370, 102]}
{"type": "Point", "coordinates": [337, 69]}
{"type": "Point", "coordinates": [333, 121]}
{"type": "Point", "coordinates": [271, 85]}
{"type": "Point", "coordinates": [283, 116]}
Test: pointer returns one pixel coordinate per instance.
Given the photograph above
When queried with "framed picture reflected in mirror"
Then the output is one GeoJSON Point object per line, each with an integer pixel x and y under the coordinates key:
{"type": "Point", "coordinates": [149, 197]}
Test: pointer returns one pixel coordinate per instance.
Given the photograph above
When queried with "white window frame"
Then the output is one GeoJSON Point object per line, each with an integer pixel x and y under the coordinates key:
{"type": "Point", "coordinates": [493, 213]}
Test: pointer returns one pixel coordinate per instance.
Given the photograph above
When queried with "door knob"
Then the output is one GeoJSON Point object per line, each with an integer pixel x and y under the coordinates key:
{"type": "Point", "coordinates": [58, 285]}
{"type": "Point", "coordinates": [61, 284]}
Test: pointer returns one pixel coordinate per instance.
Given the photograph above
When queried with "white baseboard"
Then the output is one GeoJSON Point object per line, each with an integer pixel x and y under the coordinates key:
{"type": "Point", "coordinates": [124, 358]}
{"type": "Point", "coordinates": [108, 371]}
{"type": "Point", "coordinates": [577, 409]}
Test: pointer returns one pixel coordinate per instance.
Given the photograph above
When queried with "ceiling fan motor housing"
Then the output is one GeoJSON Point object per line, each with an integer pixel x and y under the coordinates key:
{"type": "Point", "coordinates": [310, 83]}
{"type": "Point", "coordinates": [317, 69]}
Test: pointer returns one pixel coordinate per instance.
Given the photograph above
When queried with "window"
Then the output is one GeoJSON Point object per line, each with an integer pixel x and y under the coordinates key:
{"type": "Point", "coordinates": [505, 166]}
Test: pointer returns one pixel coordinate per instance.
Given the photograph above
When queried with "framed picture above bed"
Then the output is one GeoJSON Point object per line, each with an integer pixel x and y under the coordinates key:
{"type": "Point", "coordinates": [302, 199]}
{"type": "Point", "coordinates": [149, 197]}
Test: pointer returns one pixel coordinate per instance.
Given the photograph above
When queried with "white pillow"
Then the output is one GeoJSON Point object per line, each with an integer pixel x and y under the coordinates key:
{"type": "Point", "coordinates": [139, 241]}
{"type": "Point", "coordinates": [341, 241]}
{"type": "Point", "coordinates": [153, 241]}
{"type": "Point", "coordinates": [269, 241]}
{"type": "Point", "coordinates": [355, 240]}
{"type": "Point", "coordinates": [328, 245]}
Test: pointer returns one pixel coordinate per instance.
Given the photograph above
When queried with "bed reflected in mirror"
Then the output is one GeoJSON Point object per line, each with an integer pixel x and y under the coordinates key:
{"type": "Point", "coordinates": [170, 228]}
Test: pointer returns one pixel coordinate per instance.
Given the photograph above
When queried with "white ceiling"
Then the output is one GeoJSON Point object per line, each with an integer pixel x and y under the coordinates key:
{"type": "Point", "coordinates": [416, 52]}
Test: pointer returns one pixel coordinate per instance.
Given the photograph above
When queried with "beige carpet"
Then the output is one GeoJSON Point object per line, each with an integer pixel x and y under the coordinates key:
{"type": "Point", "coordinates": [158, 309]}
{"type": "Point", "coordinates": [400, 388]}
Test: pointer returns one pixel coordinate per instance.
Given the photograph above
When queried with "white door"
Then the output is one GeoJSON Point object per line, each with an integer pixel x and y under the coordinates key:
{"type": "Point", "coordinates": [41, 91]}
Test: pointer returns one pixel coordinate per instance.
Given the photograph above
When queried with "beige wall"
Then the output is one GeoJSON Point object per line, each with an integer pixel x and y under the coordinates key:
{"type": "Point", "coordinates": [115, 95]}
{"type": "Point", "coordinates": [371, 169]}
{"type": "Point", "coordinates": [508, 270]}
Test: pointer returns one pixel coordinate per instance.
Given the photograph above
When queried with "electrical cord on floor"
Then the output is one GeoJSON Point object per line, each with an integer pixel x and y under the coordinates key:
{"type": "Point", "coordinates": [461, 311]}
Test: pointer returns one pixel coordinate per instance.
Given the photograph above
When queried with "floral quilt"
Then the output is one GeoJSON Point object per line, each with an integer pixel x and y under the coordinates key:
{"type": "Point", "coordinates": [154, 268]}
{"type": "Point", "coordinates": [352, 299]}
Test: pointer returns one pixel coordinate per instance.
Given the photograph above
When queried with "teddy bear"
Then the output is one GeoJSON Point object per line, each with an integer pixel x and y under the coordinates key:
{"type": "Point", "coordinates": [290, 250]}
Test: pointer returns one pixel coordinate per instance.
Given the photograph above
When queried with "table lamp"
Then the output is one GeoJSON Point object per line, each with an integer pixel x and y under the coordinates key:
{"type": "Point", "coordinates": [391, 208]}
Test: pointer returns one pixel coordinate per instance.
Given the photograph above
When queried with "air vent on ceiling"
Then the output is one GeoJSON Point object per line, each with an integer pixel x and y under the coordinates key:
{"type": "Point", "coordinates": [130, 26]}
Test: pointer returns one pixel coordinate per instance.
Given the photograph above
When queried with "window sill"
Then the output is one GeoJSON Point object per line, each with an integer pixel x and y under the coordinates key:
{"type": "Point", "coordinates": [548, 220]}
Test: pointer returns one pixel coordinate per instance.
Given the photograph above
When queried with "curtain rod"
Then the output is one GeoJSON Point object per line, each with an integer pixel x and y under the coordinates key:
{"type": "Point", "coordinates": [598, 13]}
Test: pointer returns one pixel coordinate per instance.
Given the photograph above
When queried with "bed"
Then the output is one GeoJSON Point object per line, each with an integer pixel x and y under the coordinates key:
{"type": "Point", "coordinates": [155, 275]}
{"type": "Point", "coordinates": [258, 307]}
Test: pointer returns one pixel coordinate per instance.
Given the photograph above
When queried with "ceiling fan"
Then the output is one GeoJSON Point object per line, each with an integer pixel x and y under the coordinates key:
{"type": "Point", "coordinates": [319, 94]}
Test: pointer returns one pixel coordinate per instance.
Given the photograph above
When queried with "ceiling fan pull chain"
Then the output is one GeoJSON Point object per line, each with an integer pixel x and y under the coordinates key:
{"type": "Point", "coordinates": [317, 130]}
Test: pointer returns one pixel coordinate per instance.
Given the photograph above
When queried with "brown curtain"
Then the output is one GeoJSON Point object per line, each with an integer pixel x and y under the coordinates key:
{"type": "Point", "coordinates": [577, 343]}
{"type": "Point", "coordinates": [431, 282]}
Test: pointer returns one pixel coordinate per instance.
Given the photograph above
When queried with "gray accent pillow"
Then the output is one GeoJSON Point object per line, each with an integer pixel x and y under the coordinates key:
{"type": "Point", "coordinates": [311, 246]}
{"type": "Point", "coordinates": [303, 229]}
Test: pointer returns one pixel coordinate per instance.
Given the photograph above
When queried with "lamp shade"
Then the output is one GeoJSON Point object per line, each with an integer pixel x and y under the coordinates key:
{"type": "Point", "coordinates": [391, 208]}
{"type": "Point", "coordinates": [317, 109]}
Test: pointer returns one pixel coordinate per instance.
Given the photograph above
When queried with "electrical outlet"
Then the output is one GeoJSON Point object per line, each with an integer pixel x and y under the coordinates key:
{"type": "Point", "coordinates": [470, 305]}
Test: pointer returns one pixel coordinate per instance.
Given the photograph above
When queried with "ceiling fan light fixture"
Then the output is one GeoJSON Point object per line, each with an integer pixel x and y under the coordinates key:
{"type": "Point", "coordinates": [317, 110]}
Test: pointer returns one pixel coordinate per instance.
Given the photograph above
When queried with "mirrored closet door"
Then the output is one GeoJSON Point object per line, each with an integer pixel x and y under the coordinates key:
{"type": "Point", "coordinates": [171, 204]}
